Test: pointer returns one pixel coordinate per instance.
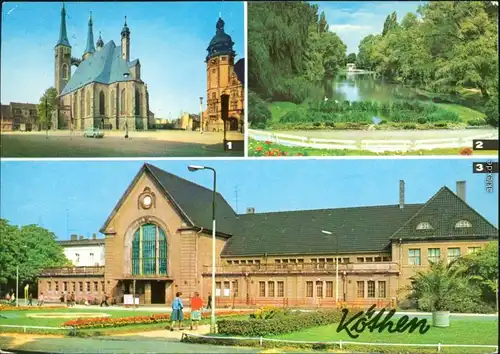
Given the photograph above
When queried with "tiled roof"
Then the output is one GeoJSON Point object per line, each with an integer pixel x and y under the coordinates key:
{"type": "Point", "coordinates": [442, 212]}
{"type": "Point", "coordinates": [359, 229]}
{"type": "Point", "coordinates": [105, 66]}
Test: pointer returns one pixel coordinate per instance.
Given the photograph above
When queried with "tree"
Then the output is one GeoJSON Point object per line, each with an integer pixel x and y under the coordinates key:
{"type": "Point", "coordinates": [47, 105]}
{"type": "Point", "coordinates": [436, 287]}
{"type": "Point", "coordinates": [323, 25]}
{"type": "Point", "coordinates": [482, 267]}
{"type": "Point", "coordinates": [31, 248]}
{"type": "Point", "coordinates": [351, 58]}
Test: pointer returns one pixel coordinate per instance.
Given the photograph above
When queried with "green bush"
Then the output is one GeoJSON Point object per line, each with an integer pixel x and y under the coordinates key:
{"type": "Point", "coordinates": [441, 124]}
{"type": "Point", "coordinates": [476, 122]}
{"type": "Point", "coordinates": [259, 114]}
{"type": "Point", "coordinates": [421, 120]}
{"type": "Point", "coordinates": [491, 110]}
{"type": "Point", "coordinates": [409, 126]}
{"type": "Point", "coordinates": [283, 324]}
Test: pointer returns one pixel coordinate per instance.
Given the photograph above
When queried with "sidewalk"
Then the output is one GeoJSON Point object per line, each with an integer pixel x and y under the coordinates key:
{"type": "Point", "coordinates": [166, 333]}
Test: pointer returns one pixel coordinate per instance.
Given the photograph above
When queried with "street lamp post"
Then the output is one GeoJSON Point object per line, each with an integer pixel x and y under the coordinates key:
{"type": "Point", "coordinates": [46, 119]}
{"type": "Point", "coordinates": [17, 286]}
{"type": "Point", "coordinates": [193, 168]}
{"type": "Point", "coordinates": [201, 115]}
{"type": "Point", "coordinates": [336, 264]}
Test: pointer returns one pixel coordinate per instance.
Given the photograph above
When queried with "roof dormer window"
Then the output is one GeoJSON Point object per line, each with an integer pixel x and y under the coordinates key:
{"type": "Point", "coordinates": [463, 223]}
{"type": "Point", "coordinates": [424, 226]}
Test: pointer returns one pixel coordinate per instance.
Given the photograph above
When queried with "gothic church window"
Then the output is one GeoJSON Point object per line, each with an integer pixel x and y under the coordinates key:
{"type": "Point", "coordinates": [137, 102]}
{"type": "Point", "coordinates": [64, 70]}
{"type": "Point", "coordinates": [214, 95]}
{"type": "Point", "coordinates": [82, 105]}
{"type": "Point", "coordinates": [75, 99]}
{"type": "Point", "coordinates": [112, 103]}
{"type": "Point", "coordinates": [88, 103]}
{"type": "Point", "coordinates": [149, 251]}
{"type": "Point", "coordinates": [122, 101]}
{"type": "Point", "coordinates": [102, 103]}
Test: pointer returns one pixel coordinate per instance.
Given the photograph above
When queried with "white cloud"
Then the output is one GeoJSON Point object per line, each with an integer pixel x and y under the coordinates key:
{"type": "Point", "coordinates": [349, 28]}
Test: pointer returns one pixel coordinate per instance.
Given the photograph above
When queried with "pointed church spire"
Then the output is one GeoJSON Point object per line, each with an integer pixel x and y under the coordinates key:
{"type": "Point", "coordinates": [90, 38]}
{"type": "Point", "coordinates": [63, 35]}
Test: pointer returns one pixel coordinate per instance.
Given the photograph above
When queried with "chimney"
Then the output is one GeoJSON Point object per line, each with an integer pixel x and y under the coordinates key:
{"type": "Point", "coordinates": [461, 190]}
{"type": "Point", "coordinates": [94, 236]}
{"type": "Point", "coordinates": [250, 210]}
{"type": "Point", "coordinates": [401, 194]}
{"type": "Point", "coordinates": [74, 237]}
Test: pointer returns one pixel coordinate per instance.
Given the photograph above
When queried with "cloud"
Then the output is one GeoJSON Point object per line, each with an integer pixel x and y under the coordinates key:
{"type": "Point", "coordinates": [349, 28]}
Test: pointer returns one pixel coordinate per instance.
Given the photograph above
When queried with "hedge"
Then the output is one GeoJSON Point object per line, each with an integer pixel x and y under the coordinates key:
{"type": "Point", "coordinates": [281, 324]}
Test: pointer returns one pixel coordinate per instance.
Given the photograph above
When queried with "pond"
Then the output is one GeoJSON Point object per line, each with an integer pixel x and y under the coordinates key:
{"type": "Point", "coordinates": [367, 87]}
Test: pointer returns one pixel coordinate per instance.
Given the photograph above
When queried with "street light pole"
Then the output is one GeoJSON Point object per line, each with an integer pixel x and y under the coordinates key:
{"type": "Point", "coordinates": [193, 168]}
{"type": "Point", "coordinates": [201, 115]}
{"type": "Point", "coordinates": [46, 119]}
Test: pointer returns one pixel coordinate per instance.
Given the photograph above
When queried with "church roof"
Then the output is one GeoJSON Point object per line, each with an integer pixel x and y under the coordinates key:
{"type": "Point", "coordinates": [105, 66]}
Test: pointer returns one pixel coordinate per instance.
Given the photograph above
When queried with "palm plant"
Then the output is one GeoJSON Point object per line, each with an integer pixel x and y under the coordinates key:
{"type": "Point", "coordinates": [436, 287]}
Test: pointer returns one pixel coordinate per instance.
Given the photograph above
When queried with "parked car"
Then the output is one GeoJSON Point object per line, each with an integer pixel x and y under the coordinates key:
{"type": "Point", "coordinates": [93, 133]}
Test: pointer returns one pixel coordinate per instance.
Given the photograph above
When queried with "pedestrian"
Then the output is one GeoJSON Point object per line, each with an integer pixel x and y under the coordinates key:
{"type": "Point", "coordinates": [209, 304]}
{"type": "Point", "coordinates": [30, 299]}
{"type": "Point", "coordinates": [40, 300]}
{"type": "Point", "coordinates": [105, 300]}
{"type": "Point", "coordinates": [72, 299]}
{"type": "Point", "coordinates": [13, 298]}
{"type": "Point", "coordinates": [7, 297]}
{"type": "Point", "coordinates": [177, 315]}
{"type": "Point", "coordinates": [196, 305]}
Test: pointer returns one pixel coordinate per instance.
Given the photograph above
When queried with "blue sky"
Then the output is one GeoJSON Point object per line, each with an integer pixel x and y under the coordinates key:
{"type": "Point", "coordinates": [352, 21]}
{"type": "Point", "coordinates": [44, 192]}
{"type": "Point", "coordinates": [169, 39]}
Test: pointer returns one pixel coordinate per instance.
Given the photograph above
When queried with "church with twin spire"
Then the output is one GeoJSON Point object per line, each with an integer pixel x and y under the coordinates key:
{"type": "Point", "coordinates": [105, 90]}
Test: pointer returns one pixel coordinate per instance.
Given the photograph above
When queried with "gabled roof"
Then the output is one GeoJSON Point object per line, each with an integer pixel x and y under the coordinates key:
{"type": "Point", "coordinates": [105, 66]}
{"type": "Point", "coordinates": [359, 229]}
{"type": "Point", "coordinates": [442, 212]}
{"type": "Point", "coordinates": [192, 201]}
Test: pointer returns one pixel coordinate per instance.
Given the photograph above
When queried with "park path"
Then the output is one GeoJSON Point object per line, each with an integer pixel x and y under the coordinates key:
{"type": "Point", "coordinates": [165, 333]}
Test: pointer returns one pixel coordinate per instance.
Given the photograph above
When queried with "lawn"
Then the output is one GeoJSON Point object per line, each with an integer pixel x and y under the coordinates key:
{"type": "Point", "coordinates": [301, 151]}
{"type": "Point", "coordinates": [463, 112]}
{"type": "Point", "coordinates": [459, 332]}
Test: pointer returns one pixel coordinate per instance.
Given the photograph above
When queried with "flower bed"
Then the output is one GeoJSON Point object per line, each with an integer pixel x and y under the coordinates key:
{"type": "Point", "coordinates": [101, 322]}
{"type": "Point", "coordinates": [29, 308]}
{"type": "Point", "coordinates": [286, 322]}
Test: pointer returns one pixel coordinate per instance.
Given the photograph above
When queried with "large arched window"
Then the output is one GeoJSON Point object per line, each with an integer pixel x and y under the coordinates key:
{"type": "Point", "coordinates": [137, 102]}
{"type": "Point", "coordinates": [82, 105]}
{"type": "Point", "coordinates": [102, 104]}
{"type": "Point", "coordinates": [112, 103]}
{"type": "Point", "coordinates": [149, 251]}
{"type": "Point", "coordinates": [75, 100]}
{"type": "Point", "coordinates": [65, 71]}
{"type": "Point", "coordinates": [89, 104]}
{"type": "Point", "coordinates": [424, 226]}
{"type": "Point", "coordinates": [122, 102]}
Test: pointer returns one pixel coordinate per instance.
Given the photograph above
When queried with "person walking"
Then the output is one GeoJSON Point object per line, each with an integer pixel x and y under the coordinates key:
{"type": "Point", "coordinates": [177, 315]}
{"type": "Point", "coordinates": [209, 304]}
{"type": "Point", "coordinates": [30, 299]}
{"type": "Point", "coordinates": [13, 298]}
{"type": "Point", "coordinates": [196, 305]}
{"type": "Point", "coordinates": [40, 300]}
{"type": "Point", "coordinates": [105, 300]}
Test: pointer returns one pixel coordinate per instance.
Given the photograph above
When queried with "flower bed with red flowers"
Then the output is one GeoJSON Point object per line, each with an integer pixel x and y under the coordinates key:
{"type": "Point", "coordinates": [29, 308]}
{"type": "Point", "coordinates": [101, 322]}
{"type": "Point", "coordinates": [466, 151]}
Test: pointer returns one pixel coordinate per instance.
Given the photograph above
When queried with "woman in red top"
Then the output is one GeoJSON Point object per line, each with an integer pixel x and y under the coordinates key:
{"type": "Point", "coordinates": [196, 305]}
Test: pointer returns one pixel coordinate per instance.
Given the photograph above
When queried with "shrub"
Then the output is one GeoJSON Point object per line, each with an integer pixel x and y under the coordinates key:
{"type": "Point", "coordinates": [441, 124]}
{"type": "Point", "coordinates": [422, 120]}
{"type": "Point", "coordinates": [259, 114]}
{"type": "Point", "coordinates": [476, 122]}
{"type": "Point", "coordinates": [409, 126]}
{"type": "Point", "coordinates": [282, 324]}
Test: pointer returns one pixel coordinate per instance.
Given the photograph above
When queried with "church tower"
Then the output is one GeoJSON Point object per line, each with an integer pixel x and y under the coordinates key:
{"type": "Point", "coordinates": [90, 49]}
{"type": "Point", "coordinates": [125, 41]}
{"type": "Point", "coordinates": [62, 52]}
{"type": "Point", "coordinates": [220, 69]}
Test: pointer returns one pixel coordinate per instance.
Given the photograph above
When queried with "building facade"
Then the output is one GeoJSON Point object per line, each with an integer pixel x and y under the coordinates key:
{"type": "Point", "coordinates": [223, 78]}
{"type": "Point", "coordinates": [19, 116]}
{"type": "Point", "coordinates": [158, 242]}
{"type": "Point", "coordinates": [106, 89]}
{"type": "Point", "coordinates": [84, 252]}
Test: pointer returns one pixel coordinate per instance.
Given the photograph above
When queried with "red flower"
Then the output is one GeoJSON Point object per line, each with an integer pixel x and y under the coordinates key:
{"type": "Point", "coordinates": [466, 151]}
{"type": "Point", "coordinates": [259, 148]}
{"type": "Point", "coordinates": [267, 142]}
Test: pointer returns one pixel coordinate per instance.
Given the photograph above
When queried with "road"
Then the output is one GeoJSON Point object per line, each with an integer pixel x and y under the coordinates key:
{"type": "Point", "coordinates": [130, 344]}
{"type": "Point", "coordinates": [139, 144]}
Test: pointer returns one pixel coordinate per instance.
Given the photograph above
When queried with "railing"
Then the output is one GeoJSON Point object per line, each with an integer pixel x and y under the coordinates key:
{"type": "Point", "coordinates": [71, 271]}
{"type": "Point", "coordinates": [368, 144]}
{"type": "Point", "coordinates": [374, 267]}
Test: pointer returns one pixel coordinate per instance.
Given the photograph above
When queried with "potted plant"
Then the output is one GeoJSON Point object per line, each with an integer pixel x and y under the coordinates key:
{"type": "Point", "coordinates": [436, 287]}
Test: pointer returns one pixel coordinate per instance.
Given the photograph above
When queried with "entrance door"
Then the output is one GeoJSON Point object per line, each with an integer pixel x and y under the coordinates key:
{"type": "Point", "coordinates": [158, 292]}
{"type": "Point", "coordinates": [233, 124]}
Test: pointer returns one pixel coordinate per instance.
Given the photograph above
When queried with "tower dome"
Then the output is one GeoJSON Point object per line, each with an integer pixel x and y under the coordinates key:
{"type": "Point", "coordinates": [221, 43]}
{"type": "Point", "coordinates": [100, 42]}
{"type": "Point", "coordinates": [125, 29]}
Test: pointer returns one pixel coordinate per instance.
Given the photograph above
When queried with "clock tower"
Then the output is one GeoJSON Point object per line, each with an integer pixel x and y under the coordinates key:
{"type": "Point", "coordinates": [221, 79]}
